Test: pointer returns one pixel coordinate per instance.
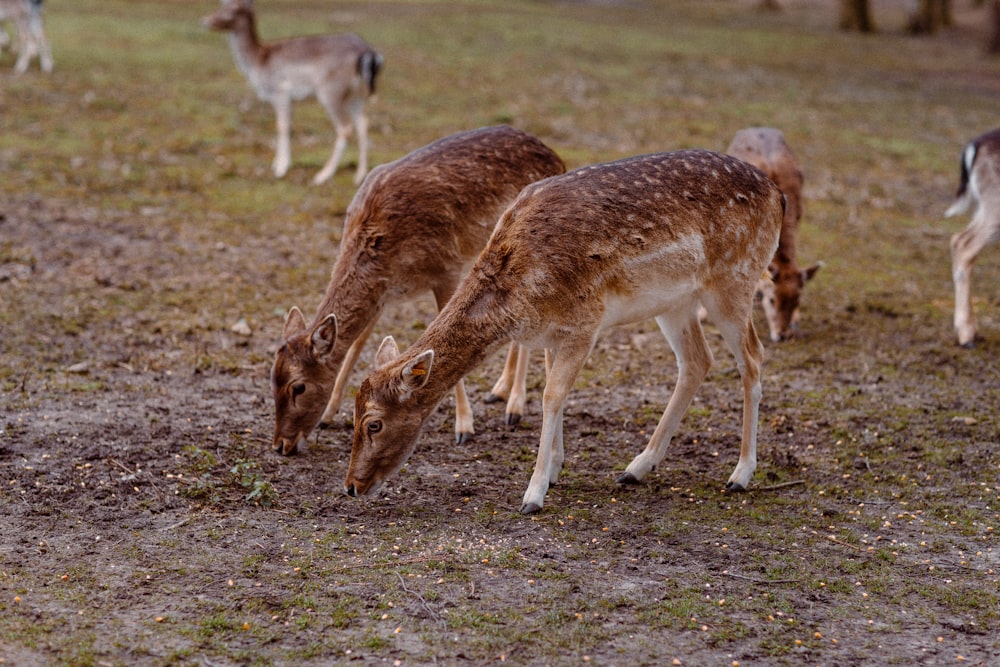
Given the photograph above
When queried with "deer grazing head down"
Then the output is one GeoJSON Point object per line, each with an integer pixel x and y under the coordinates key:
{"type": "Point", "coordinates": [766, 149]}
{"type": "Point", "coordinates": [652, 236]}
{"type": "Point", "coordinates": [414, 225]}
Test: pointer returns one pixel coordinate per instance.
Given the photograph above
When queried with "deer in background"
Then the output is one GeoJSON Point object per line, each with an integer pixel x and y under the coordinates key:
{"type": "Point", "coordinates": [766, 149]}
{"type": "Point", "coordinates": [339, 70]}
{"type": "Point", "coordinates": [26, 15]}
{"type": "Point", "coordinates": [415, 224]}
{"type": "Point", "coordinates": [650, 236]}
{"type": "Point", "coordinates": [979, 187]}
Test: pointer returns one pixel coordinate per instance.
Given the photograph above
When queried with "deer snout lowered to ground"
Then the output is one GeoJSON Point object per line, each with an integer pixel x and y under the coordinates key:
{"type": "Point", "coordinates": [415, 224]}
{"type": "Point", "coordinates": [340, 70]}
{"type": "Point", "coordinates": [648, 237]}
{"type": "Point", "coordinates": [978, 188]}
{"type": "Point", "coordinates": [766, 149]}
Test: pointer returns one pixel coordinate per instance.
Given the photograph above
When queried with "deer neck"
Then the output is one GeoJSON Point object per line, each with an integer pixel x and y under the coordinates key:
{"type": "Point", "coordinates": [247, 49]}
{"type": "Point", "coordinates": [465, 333]}
{"type": "Point", "coordinates": [356, 295]}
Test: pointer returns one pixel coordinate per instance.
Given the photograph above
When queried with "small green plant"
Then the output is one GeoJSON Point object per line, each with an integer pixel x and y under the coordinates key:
{"type": "Point", "coordinates": [261, 492]}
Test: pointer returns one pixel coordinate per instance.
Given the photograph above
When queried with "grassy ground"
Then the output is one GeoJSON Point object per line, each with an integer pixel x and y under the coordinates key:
{"type": "Point", "coordinates": [145, 521]}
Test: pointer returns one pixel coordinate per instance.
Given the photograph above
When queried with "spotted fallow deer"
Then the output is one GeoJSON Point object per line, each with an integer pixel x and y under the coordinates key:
{"type": "Point", "coordinates": [766, 149]}
{"type": "Point", "coordinates": [339, 70]}
{"type": "Point", "coordinates": [650, 236]}
{"type": "Point", "coordinates": [415, 224]}
{"type": "Point", "coordinates": [26, 15]}
{"type": "Point", "coordinates": [979, 187]}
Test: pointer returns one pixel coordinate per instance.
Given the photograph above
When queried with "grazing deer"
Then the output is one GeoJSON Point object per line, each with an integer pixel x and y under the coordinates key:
{"type": "Point", "coordinates": [415, 224]}
{"type": "Point", "coordinates": [651, 236]}
{"type": "Point", "coordinates": [339, 69]}
{"type": "Point", "coordinates": [766, 149]}
{"type": "Point", "coordinates": [26, 15]}
{"type": "Point", "coordinates": [979, 186]}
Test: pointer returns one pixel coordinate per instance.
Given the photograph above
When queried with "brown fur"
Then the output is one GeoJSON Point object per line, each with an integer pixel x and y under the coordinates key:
{"type": "Point", "coordinates": [652, 236]}
{"type": "Point", "coordinates": [766, 149]}
{"type": "Point", "coordinates": [339, 70]}
{"type": "Point", "coordinates": [414, 225]}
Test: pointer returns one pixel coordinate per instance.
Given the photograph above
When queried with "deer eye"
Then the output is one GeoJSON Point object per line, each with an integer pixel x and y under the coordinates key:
{"type": "Point", "coordinates": [298, 389]}
{"type": "Point", "coordinates": [374, 426]}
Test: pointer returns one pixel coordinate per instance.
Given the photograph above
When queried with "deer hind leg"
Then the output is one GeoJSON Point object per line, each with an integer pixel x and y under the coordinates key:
{"type": "Point", "coordinates": [340, 386]}
{"type": "Point", "coordinates": [512, 384]}
{"type": "Point", "coordinates": [44, 51]}
{"type": "Point", "coordinates": [343, 114]}
{"type": "Point", "coordinates": [561, 366]}
{"type": "Point", "coordinates": [965, 248]}
{"type": "Point", "coordinates": [282, 151]}
{"type": "Point", "coordinates": [682, 329]}
{"type": "Point", "coordinates": [742, 340]}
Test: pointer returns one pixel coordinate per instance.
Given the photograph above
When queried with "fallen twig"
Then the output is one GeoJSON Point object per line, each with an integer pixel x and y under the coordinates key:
{"type": "Point", "coordinates": [782, 485]}
{"type": "Point", "coordinates": [761, 581]}
{"type": "Point", "coordinates": [423, 602]}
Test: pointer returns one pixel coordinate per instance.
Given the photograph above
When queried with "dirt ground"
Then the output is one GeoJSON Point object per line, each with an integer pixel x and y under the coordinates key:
{"type": "Point", "coordinates": [145, 517]}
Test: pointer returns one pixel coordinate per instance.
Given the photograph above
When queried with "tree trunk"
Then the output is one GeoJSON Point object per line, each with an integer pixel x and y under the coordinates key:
{"type": "Point", "coordinates": [929, 16]}
{"type": "Point", "coordinates": [993, 47]}
{"type": "Point", "coordinates": [856, 15]}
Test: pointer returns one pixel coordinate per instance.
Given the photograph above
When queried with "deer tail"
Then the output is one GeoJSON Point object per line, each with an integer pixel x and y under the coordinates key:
{"type": "Point", "coordinates": [964, 195]}
{"type": "Point", "coordinates": [369, 65]}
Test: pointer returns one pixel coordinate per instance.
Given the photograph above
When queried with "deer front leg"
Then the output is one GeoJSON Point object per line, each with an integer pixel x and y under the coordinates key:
{"type": "Point", "coordinates": [340, 386]}
{"type": "Point", "coordinates": [683, 333]}
{"type": "Point", "coordinates": [283, 151]}
{"type": "Point", "coordinates": [562, 370]}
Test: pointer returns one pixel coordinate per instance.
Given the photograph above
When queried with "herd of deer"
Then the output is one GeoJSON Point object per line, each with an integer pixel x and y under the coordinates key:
{"type": "Point", "coordinates": [519, 252]}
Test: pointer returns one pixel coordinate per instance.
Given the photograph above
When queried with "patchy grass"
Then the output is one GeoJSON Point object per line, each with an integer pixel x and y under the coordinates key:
{"type": "Point", "coordinates": [146, 521]}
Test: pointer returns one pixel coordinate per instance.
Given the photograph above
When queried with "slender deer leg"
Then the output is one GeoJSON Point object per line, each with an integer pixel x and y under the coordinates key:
{"type": "Point", "coordinates": [333, 406]}
{"type": "Point", "coordinates": [694, 358]}
{"type": "Point", "coordinates": [742, 340]}
{"type": "Point", "coordinates": [563, 365]}
{"type": "Point", "coordinates": [512, 384]}
{"type": "Point", "coordinates": [464, 429]}
{"type": "Point", "coordinates": [502, 388]}
{"type": "Point", "coordinates": [519, 389]}
{"type": "Point", "coordinates": [558, 453]}
{"type": "Point", "coordinates": [283, 151]}
{"type": "Point", "coordinates": [965, 248]}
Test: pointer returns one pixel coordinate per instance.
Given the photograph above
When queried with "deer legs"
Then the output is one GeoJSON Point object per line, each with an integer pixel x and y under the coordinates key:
{"type": "Point", "coordinates": [693, 361]}
{"type": "Point", "coordinates": [512, 384]}
{"type": "Point", "coordinates": [965, 247]}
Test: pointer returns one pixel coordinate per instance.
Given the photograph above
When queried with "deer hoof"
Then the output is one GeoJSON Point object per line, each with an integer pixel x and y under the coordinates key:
{"type": "Point", "coordinates": [462, 438]}
{"type": "Point", "coordinates": [530, 508]}
{"type": "Point", "coordinates": [493, 398]}
{"type": "Point", "coordinates": [628, 478]}
{"type": "Point", "coordinates": [513, 419]}
{"type": "Point", "coordinates": [733, 487]}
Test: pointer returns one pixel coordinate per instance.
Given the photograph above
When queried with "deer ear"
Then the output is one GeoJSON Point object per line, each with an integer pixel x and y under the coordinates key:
{"type": "Point", "coordinates": [294, 323]}
{"type": "Point", "coordinates": [416, 372]}
{"type": "Point", "coordinates": [324, 336]}
{"type": "Point", "coordinates": [387, 351]}
{"type": "Point", "coordinates": [807, 274]}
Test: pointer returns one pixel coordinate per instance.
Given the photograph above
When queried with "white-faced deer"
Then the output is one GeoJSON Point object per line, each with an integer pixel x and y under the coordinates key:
{"type": "Point", "coordinates": [766, 149]}
{"type": "Point", "coordinates": [651, 236]}
{"type": "Point", "coordinates": [26, 15]}
{"type": "Point", "coordinates": [979, 186]}
{"type": "Point", "coordinates": [415, 224]}
{"type": "Point", "coordinates": [339, 70]}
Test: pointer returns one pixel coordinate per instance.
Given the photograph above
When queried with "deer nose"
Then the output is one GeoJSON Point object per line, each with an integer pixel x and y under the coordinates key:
{"type": "Point", "coordinates": [351, 491]}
